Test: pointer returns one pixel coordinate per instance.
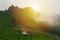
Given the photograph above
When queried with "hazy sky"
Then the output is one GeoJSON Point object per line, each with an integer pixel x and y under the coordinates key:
{"type": "Point", "coordinates": [51, 6]}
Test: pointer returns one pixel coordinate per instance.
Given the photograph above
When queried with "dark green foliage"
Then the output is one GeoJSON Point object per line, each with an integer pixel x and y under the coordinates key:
{"type": "Point", "coordinates": [56, 31]}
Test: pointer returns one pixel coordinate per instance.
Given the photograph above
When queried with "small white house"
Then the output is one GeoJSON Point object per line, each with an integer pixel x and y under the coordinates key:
{"type": "Point", "coordinates": [24, 32]}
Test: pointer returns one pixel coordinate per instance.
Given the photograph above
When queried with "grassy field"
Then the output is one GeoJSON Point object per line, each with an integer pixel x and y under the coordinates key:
{"type": "Point", "coordinates": [7, 32]}
{"type": "Point", "coordinates": [12, 34]}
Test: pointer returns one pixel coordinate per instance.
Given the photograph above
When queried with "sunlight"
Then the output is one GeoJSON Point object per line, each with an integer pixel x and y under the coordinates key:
{"type": "Point", "coordinates": [36, 7]}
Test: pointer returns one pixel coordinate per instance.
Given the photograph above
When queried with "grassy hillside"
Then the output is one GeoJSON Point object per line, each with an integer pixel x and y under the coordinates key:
{"type": "Point", "coordinates": [12, 34]}
{"type": "Point", "coordinates": [7, 32]}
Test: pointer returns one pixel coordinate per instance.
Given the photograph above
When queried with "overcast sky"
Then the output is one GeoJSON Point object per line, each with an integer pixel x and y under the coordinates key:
{"type": "Point", "coordinates": [51, 6]}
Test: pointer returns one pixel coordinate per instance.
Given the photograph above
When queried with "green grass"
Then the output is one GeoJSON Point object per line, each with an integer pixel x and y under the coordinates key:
{"type": "Point", "coordinates": [9, 33]}
{"type": "Point", "coordinates": [12, 34]}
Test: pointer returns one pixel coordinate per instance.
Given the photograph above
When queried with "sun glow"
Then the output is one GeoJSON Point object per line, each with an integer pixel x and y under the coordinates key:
{"type": "Point", "coordinates": [36, 8]}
